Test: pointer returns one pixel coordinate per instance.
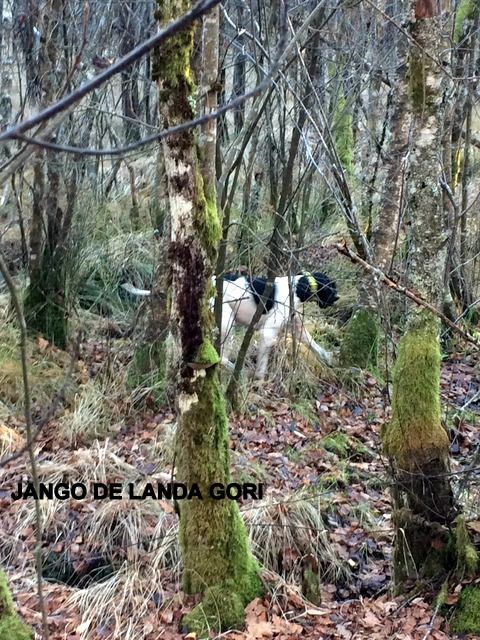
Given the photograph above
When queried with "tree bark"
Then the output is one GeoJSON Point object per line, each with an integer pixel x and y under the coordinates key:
{"type": "Point", "coordinates": [130, 89]}
{"type": "Point", "coordinates": [45, 304]}
{"type": "Point", "coordinates": [217, 561]}
{"type": "Point", "coordinates": [415, 439]}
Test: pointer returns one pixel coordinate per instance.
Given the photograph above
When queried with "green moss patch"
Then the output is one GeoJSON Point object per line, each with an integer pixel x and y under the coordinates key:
{"type": "Point", "coordinates": [344, 446]}
{"type": "Point", "coordinates": [221, 609]}
{"type": "Point", "coordinates": [466, 618]}
{"type": "Point", "coordinates": [466, 554]}
{"type": "Point", "coordinates": [11, 627]}
{"type": "Point", "coordinates": [465, 11]}
{"type": "Point", "coordinates": [343, 131]}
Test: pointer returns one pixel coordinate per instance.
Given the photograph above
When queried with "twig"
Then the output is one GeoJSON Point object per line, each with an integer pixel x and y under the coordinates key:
{"type": "Point", "coordinates": [344, 250]}
{"type": "Point", "coordinates": [179, 128]}
{"type": "Point", "coordinates": [28, 422]}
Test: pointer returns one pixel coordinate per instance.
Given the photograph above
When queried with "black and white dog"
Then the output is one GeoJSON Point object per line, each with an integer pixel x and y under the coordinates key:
{"type": "Point", "coordinates": [241, 295]}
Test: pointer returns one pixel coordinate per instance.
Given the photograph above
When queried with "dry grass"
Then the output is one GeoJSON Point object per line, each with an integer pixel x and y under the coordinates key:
{"type": "Point", "coordinates": [295, 370]}
{"type": "Point", "coordinates": [10, 440]}
{"type": "Point", "coordinates": [96, 464]}
{"type": "Point", "coordinates": [164, 446]}
{"type": "Point", "coordinates": [120, 605]}
{"type": "Point", "coordinates": [92, 413]}
{"type": "Point", "coordinates": [293, 526]}
{"type": "Point", "coordinates": [123, 602]}
{"type": "Point", "coordinates": [46, 367]}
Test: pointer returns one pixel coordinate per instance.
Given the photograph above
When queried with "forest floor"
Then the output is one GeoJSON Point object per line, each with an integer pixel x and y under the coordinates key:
{"type": "Point", "coordinates": [324, 452]}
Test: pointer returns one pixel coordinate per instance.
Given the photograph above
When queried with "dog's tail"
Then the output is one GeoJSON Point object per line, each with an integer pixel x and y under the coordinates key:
{"type": "Point", "coordinates": [134, 291]}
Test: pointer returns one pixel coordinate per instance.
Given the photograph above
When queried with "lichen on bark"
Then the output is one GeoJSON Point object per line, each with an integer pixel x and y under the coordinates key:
{"type": "Point", "coordinates": [415, 440]}
{"type": "Point", "coordinates": [423, 77]}
{"type": "Point", "coordinates": [343, 129]}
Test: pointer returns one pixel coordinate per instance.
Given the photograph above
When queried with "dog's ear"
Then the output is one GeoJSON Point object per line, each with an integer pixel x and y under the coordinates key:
{"type": "Point", "coordinates": [327, 290]}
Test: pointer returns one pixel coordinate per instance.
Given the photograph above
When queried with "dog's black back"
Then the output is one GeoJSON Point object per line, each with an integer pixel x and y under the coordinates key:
{"type": "Point", "coordinates": [230, 277]}
{"type": "Point", "coordinates": [257, 287]}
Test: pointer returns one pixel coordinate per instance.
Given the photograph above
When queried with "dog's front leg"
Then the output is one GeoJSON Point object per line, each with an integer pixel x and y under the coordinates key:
{"type": "Point", "coordinates": [268, 337]}
{"type": "Point", "coordinates": [228, 320]}
{"type": "Point", "coordinates": [303, 335]}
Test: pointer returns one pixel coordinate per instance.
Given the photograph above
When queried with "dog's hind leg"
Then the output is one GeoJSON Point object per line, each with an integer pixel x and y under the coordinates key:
{"type": "Point", "coordinates": [302, 334]}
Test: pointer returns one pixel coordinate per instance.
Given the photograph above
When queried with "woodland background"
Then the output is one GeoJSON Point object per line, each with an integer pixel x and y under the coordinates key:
{"type": "Point", "coordinates": [340, 137]}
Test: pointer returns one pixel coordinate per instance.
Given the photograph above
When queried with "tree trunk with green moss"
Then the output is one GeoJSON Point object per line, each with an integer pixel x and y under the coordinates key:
{"type": "Point", "coordinates": [11, 627]}
{"type": "Point", "coordinates": [362, 334]}
{"type": "Point", "coordinates": [46, 309]}
{"type": "Point", "coordinates": [415, 439]}
{"type": "Point", "coordinates": [217, 561]}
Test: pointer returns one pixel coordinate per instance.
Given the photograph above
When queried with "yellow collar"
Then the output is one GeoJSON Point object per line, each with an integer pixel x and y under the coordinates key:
{"type": "Point", "coordinates": [313, 284]}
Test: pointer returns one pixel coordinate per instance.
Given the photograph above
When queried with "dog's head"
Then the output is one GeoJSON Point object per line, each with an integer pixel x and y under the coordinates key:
{"type": "Point", "coordinates": [319, 287]}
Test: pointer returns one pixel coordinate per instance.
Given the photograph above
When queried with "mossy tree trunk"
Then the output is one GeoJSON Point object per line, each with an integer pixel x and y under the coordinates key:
{"type": "Point", "coordinates": [415, 439]}
{"type": "Point", "coordinates": [11, 627]}
{"type": "Point", "coordinates": [45, 304]}
{"type": "Point", "coordinates": [361, 338]}
{"type": "Point", "coordinates": [130, 90]}
{"type": "Point", "coordinates": [465, 56]}
{"type": "Point", "coordinates": [217, 560]}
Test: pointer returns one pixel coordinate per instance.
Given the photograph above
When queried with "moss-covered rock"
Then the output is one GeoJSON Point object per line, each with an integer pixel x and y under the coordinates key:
{"type": "Point", "coordinates": [359, 346]}
{"type": "Point", "coordinates": [466, 618]}
{"type": "Point", "coordinates": [11, 627]}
